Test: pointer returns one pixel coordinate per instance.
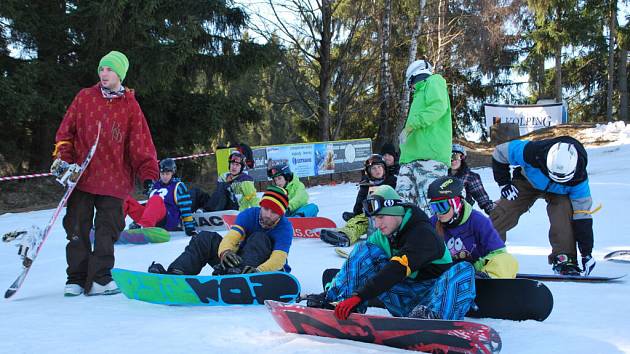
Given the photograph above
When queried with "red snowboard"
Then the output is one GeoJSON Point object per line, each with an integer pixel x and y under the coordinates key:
{"type": "Point", "coordinates": [433, 336]}
{"type": "Point", "coordinates": [302, 227]}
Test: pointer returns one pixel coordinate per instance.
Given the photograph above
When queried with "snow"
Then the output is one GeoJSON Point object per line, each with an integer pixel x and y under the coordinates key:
{"type": "Point", "coordinates": [587, 318]}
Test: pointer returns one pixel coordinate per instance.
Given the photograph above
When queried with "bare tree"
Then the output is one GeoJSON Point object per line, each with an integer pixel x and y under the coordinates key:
{"type": "Point", "coordinates": [612, 36]}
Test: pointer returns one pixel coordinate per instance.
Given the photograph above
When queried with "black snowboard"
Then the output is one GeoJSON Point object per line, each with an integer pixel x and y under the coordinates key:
{"type": "Point", "coordinates": [571, 278]}
{"type": "Point", "coordinates": [508, 299]}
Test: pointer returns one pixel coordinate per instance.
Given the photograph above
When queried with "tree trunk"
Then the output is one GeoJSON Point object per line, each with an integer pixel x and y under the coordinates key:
{"type": "Point", "coordinates": [611, 60]}
{"type": "Point", "coordinates": [413, 50]}
{"type": "Point", "coordinates": [325, 77]}
{"type": "Point", "coordinates": [386, 78]}
{"type": "Point", "coordinates": [558, 55]}
{"type": "Point", "coordinates": [623, 83]}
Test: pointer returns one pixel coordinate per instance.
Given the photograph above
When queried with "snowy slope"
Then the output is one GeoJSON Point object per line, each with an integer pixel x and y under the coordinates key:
{"type": "Point", "coordinates": [587, 318]}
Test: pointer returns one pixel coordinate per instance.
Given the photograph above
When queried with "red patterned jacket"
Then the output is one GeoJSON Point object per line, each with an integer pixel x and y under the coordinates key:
{"type": "Point", "coordinates": [125, 148]}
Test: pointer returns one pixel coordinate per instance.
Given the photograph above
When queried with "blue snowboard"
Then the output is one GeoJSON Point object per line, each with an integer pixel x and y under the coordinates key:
{"type": "Point", "coordinates": [194, 290]}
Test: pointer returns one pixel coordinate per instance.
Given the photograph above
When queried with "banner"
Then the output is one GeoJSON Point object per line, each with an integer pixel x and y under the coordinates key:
{"type": "Point", "coordinates": [306, 160]}
{"type": "Point", "coordinates": [528, 117]}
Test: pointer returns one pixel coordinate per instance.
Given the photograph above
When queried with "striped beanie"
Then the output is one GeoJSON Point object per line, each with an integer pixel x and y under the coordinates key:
{"type": "Point", "coordinates": [276, 199]}
{"type": "Point", "coordinates": [116, 61]}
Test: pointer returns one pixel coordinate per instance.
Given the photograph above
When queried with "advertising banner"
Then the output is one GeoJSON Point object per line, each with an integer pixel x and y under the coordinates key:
{"type": "Point", "coordinates": [528, 117]}
{"type": "Point", "coordinates": [309, 159]}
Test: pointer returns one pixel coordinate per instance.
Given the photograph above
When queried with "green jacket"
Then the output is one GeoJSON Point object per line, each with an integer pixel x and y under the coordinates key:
{"type": "Point", "coordinates": [429, 123]}
{"type": "Point", "coordinates": [298, 197]}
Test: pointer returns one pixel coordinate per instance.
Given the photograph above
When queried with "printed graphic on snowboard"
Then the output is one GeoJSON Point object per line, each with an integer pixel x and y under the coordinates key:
{"type": "Point", "coordinates": [212, 220]}
{"type": "Point", "coordinates": [191, 290]}
{"type": "Point", "coordinates": [302, 227]}
{"type": "Point", "coordinates": [406, 333]}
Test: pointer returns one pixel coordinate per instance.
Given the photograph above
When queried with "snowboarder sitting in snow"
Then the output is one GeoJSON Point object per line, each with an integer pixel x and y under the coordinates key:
{"type": "Point", "coordinates": [259, 241]}
{"type": "Point", "coordinates": [469, 235]}
{"type": "Point", "coordinates": [553, 169]}
{"type": "Point", "coordinates": [168, 205]}
{"type": "Point", "coordinates": [282, 177]}
{"type": "Point", "coordinates": [472, 181]}
{"type": "Point", "coordinates": [404, 263]}
{"type": "Point", "coordinates": [232, 184]}
{"type": "Point", "coordinates": [390, 156]}
{"type": "Point", "coordinates": [357, 225]}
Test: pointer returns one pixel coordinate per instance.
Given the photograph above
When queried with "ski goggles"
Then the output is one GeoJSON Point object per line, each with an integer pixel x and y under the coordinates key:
{"type": "Point", "coordinates": [443, 206]}
{"type": "Point", "coordinates": [374, 203]}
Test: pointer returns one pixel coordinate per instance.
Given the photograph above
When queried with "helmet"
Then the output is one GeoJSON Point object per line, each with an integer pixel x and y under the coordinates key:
{"type": "Point", "coordinates": [445, 187]}
{"type": "Point", "coordinates": [446, 193]}
{"type": "Point", "coordinates": [238, 157]}
{"type": "Point", "coordinates": [375, 159]}
{"type": "Point", "coordinates": [168, 165]}
{"type": "Point", "coordinates": [416, 68]}
{"type": "Point", "coordinates": [280, 170]}
{"type": "Point", "coordinates": [460, 149]}
{"type": "Point", "coordinates": [562, 160]}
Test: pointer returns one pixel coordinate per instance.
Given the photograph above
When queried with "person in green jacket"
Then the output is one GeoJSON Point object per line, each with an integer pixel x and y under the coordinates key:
{"type": "Point", "coordinates": [282, 177]}
{"type": "Point", "coordinates": [426, 140]}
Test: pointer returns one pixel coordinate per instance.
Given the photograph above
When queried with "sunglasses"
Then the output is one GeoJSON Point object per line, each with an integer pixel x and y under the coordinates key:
{"type": "Point", "coordinates": [374, 203]}
{"type": "Point", "coordinates": [440, 207]}
{"type": "Point", "coordinates": [456, 156]}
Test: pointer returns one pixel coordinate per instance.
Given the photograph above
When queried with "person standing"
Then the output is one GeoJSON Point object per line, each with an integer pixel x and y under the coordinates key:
{"type": "Point", "coordinates": [125, 150]}
{"type": "Point", "coordinates": [425, 142]}
{"type": "Point", "coordinates": [471, 180]}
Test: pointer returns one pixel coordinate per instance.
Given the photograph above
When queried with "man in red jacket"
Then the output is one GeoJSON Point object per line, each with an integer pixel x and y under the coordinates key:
{"type": "Point", "coordinates": [125, 150]}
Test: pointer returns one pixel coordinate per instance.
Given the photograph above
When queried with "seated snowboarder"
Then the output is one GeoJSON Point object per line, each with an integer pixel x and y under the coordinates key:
{"type": "Point", "coordinates": [468, 234]}
{"type": "Point", "coordinates": [404, 263]}
{"type": "Point", "coordinates": [235, 189]}
{"type": "Point", "coordinates": [168, 206]}
{"type": "Point", "coordinates": [357, 225]}
{"type": "Point", "coordinates": [282, 177]}
{"type": "Point", "coordinates": [553, 169]}
{"type": "Point", "coordinates": [259, 241]}
{"type": "Point", "coordinates": [472, 181]}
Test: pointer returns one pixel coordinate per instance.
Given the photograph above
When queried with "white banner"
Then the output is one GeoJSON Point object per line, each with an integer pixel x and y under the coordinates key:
{"type": "Point", "coordinates": [528, 117]}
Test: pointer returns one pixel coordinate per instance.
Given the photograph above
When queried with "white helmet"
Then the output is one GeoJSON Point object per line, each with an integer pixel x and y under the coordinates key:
{"type": "Point", "coordinates": [416, 68]}
{"type": "Point", "coordinates": [562, 160]}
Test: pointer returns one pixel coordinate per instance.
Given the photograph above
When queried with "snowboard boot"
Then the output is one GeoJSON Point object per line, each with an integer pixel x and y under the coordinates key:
{"type": "Point", "coordinates": [72, 290]}
{"type": "Point", "coordinates": [334, 237]}
{"type": "Point", "coordinates": [422, 311]}
{"type": "Point", "coordinates": [319, 301]}
{"type": "Point", "coordinates": [108, 289]}
{"type": "Point", "coordinates": [347, 215]}
{"type": "Point", "coordinates": [588, 263]}
{"type": "Point", "coordinates": [234, 270]}
{"type": "Point", "coordinates": [565, 265]}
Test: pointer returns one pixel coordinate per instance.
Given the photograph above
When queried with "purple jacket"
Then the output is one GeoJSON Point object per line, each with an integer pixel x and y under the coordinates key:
{"type": "Point", "coordinates": [473, 238]}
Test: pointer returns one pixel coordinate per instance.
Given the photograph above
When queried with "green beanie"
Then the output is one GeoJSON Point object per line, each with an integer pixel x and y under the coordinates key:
{"type": "Point", "coordinates": [117, 61]}
{"type": "Point", "coordinates": [388, 192]}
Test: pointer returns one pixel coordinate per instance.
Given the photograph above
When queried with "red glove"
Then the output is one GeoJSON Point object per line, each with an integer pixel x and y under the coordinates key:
{"type": "Point", "coordinates": [344, 308]}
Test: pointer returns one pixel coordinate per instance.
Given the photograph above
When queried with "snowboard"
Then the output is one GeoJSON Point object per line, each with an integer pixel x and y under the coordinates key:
{"type": "Point", "coordinates": [572, 278]}
{"type": "Point", "coordinates": [212, 220]}
{"type": "Point", "coordinates": [434, 336]}
{"type": "Point", "coordinates": [618, 256]}
{"type": "Point", "coordinates": [140, 236]}
{"type": "Point", "coordinates": [195, 290]}
{"type": "Point", "coordinates": [506, 299]}
{"type": "Point", "coordinates": [307, 227]}
{"type": "Point", "coordinates": [32, 242]}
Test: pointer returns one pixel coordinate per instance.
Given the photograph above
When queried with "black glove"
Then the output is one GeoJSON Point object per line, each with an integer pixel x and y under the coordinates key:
{"type": "Point", "coordinates": [191, 232]}
{"type": "Point", "coordinates": [147, 185]}
{"type": "Point", "coordinates": [229, 259]}
{"type": "Point", "coordinates": [509, 192]}
{"type": "Point", "coordinates": [250, 269]}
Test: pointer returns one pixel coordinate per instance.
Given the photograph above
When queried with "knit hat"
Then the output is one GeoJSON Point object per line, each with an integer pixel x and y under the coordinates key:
{"type": "Point", "coordinates": [388, 148]}
{"type": "Point", "coordinates": [388, 193]}
{"type": "Point", "coordinates": [276, 199]}
{"type": "Point", "coordinates": [116, 61]}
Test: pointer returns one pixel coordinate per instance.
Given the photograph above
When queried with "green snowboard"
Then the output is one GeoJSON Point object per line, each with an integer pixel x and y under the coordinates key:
{"type": "Point", "coordinates": [193, 290]}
